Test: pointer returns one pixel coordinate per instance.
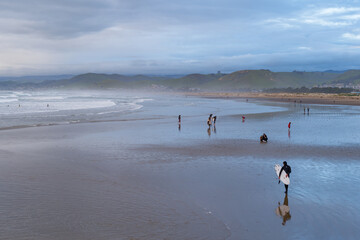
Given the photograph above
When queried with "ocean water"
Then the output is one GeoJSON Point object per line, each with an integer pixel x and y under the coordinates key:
{"type": "Point", "coordinates": [29, 108]}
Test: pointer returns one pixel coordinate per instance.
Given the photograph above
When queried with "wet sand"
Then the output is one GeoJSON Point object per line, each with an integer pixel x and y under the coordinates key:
{"type": "Point", "coordinates": [146, 179]}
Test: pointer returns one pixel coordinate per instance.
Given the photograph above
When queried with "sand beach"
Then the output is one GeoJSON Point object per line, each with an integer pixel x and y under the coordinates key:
{"type": "Point", "coordinates": [142, 176]}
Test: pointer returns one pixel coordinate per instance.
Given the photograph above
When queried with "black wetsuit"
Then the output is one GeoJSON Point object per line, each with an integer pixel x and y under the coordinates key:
{"type": "Point", "coordinates": [287, 170]}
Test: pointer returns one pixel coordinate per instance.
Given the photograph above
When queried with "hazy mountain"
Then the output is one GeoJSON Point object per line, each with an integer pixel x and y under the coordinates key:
{"type": "Point", "coordinates": [350, 76]}
{"type": "Point", "coordinates": [35, 79]}
{"type": "Point", "coordinates": [239, 80]}
{"type": "Point", "coordinates": [268, 79]}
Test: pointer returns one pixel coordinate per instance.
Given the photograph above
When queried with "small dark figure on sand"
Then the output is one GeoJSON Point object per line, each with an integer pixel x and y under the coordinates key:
{"type": "Point", "coordinates": [308, 110]}
{"type": "Point", "coordinates": [243, 118]}
{"type": "Point", "coordinates": [179, 118]}
{"type": "Point", "coordinates": [289, 125]}
{"type": "Point", "coordinates": [287, 170]}
{"type": "Point", "coordinates": [214, 119]}
{"type": "Point", "coordinates": [263, 138]}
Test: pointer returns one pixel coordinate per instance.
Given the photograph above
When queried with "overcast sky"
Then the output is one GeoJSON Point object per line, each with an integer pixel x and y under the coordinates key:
{"type": "Point", "coordinates": [39, 37]}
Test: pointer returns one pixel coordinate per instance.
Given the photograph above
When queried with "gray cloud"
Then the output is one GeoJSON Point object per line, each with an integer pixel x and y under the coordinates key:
{"type": "Point", "coordinates": [158, 36]}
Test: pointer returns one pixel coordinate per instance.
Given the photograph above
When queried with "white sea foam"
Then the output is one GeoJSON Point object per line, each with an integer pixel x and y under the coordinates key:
{"type": "Point", "coordinates": [31, 108]}
{"type": "Point", "coordinates": [43, 98]}
{"type": "Point", "coordinates": [8, 100]}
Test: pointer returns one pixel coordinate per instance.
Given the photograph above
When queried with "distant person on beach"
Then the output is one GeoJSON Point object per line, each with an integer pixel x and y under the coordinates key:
{"type": "Point", "coordinates": [209, 121]}
{"type": "Point", "coordinates": [287, 170]}
{"type": "Point", "coordinates": [243, 118]}
{"type": "Point", "coordinates": [214, 119]}
{"type": "Point", "coordinates": [263, 138]}
{"type": "Point", "coordinates": [308, 110]}
{"type": "Point", "coordinates": [179, 118]}
{"type": "Point", "coordinates": [289, 125]}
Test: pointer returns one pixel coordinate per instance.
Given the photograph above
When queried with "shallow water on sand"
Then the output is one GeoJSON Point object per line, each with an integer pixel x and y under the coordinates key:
{"type": "Point", "coordinates": [143, 177]}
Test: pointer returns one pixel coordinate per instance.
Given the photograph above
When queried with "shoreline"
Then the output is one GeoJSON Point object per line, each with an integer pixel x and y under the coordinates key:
{"type": "Point", "coordinates": [307, 98]}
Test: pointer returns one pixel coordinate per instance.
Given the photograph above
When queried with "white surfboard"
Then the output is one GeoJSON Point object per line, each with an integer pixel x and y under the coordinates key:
{"type": "Point", "coordinates": [283, 177]}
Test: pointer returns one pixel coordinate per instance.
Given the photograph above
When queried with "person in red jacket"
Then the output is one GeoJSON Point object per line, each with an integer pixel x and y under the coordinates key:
{"type": "Point", "coordinates": [289, 125]}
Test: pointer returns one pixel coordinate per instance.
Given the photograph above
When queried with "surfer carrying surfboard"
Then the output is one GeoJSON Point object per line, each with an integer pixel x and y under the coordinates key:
{"type": "Point", "coordinates": [287, 169]}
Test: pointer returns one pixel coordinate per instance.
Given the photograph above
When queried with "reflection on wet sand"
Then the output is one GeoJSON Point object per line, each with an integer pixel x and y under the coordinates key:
{"type": "Point", "coordinates": [179, 127]}
{"type": "Point", "coordinates": [209, 130]}
{"type": "Point", "coordinates": [284, 210]}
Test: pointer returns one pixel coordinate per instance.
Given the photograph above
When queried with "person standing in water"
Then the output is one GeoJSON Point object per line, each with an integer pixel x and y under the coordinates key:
{"type": "Point", "coordinates": [287, 169]}
{"type": "Point", "coordinates": [214, 119]}
{"type": "Point", "coordinates": [289, 125]}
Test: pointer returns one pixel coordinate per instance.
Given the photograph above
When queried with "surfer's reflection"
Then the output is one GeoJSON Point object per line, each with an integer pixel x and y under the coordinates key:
{"type": "Point", "coordinates": [284, 210]}
{"type": "Point", "coordinates": [209, 131]}
{"type": "Point", "coordinates": [179, 127]}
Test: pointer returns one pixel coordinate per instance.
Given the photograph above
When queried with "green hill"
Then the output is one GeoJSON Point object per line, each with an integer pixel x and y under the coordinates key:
{"type": "Point", "coordinates": [348, 77]}
{"type": "Point", "coordinates": [236, 81]}
{"type": "Point", "coordinates": [257, 79]}
{"type": "Point", "coordinates": [191, 81]}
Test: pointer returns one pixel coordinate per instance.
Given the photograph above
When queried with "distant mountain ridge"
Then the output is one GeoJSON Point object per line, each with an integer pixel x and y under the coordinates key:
{"type": "Point", "coordinates": [239, 80]}
{"type": "Point", "coordinates": [35, 79]}
{"type": "Point", "coordinates": [348, 77]}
